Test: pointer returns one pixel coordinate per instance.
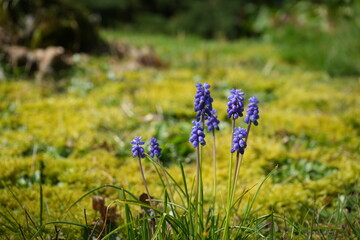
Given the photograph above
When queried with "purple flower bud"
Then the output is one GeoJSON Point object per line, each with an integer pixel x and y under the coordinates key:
{"type": "Point", "coordinates": [239, 143]}
{"type": "Point", "coordinates": [235, 104]}
{"type": "Point", "coordinates": [197, 135]}
{"type": "Point", "coordinates": [137, 150]}
{"type": "Point", "coordinates": [203, 101]}
{"type": "Point", "coordinates": [212, 122]}
{"type": "Point", "coordinates": [155, 150]}
{"type": "Point", "coordinates": [252, 113]}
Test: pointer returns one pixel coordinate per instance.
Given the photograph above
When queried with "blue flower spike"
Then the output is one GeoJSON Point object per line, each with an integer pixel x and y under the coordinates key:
{"type": "Point", "coordinates": [235, 104]}
{"type": "Point", "coordinates": [252, 113]}
{"type": "Point", "coordinates": [137, 149]}
{"type": "Point", "coordinates": [239, 143]}
{"type": "Point", "coordinates": [197, 135]}
{"type": "Point", "coordinates": [155, 150]}
{"type": "Point", "coordinates": [203, 101]}
{"type": "Point", "coordinates": [212, 122]}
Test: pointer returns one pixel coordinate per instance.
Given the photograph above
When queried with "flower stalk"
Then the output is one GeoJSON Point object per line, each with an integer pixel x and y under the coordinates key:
{"type": "Point", "coordinates": [214, 165]}
{"type": "Point", "coordinates": [235, 110]}
{"type": "Point", "coordinates": [144, 181]}
{"type": "Point", "coordinates": [239, 143]}
{"type": "Point", "coordinates": [228, 203]}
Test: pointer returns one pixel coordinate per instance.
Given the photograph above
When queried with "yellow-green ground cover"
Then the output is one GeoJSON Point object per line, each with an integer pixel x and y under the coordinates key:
{"type": "Point", "coordinates": [81, 127]}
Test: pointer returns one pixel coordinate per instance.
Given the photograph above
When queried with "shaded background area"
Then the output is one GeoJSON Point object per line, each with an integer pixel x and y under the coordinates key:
{"type": "Point", "coordinates": [320, 35]}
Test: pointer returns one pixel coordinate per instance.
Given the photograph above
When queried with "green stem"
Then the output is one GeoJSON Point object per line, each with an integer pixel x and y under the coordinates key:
{"type": "Point", "coordinates": [229, 202]}
{"type": "Point", "coordinates": [236, 174]}
{"type": "Point", "coordinates": [201, 197]}
{"type": "Point", "coordinates": [197, 189]}
{"type": "Point", "coordinates": [201, 186]}
{"type": "Point", "coordinates": [152, 228]}
{"type": "Point", "coordinates": [238, 162]}
{"type": "Point", "coordinates": [239, 159]}
{"type": "Point", "coordinates": [144, 181]}
{"type": "Point", "coordinates": [248, 132]}
{"type": "Point", "coordinates": [214, 164]}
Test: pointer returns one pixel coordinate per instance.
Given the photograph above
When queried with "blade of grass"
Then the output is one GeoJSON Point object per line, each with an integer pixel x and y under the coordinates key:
{"type": "Point", "coordinates": [249, 207]}
{"type": "Point", "coordinates": [128, 217]}
{"type": "Point", "coordinates": [163, 227]}
{"type": "Point", "coordinates": [14, 230]}
{"type": "Point", "coordinates": [41, 193]}
{"type": "Point", "coordinates": [159, 226]}
{"type": "Point", "coordinates": [95, 189]}
{"type": "Point", "coordinates": [33, 222]}
{"type": "Point", "coordinates": [251, 202]}
{"type": "Point", "coordinates": [157, 164]}
{"type": "Point", "coordinates": [167, 185]}
{"type": "Point", "coordinates": [14, 196]}
{"type": "Point", "coordinates": [22, 233]}
{"type": "Point", "coordinates": [356, 232]}
{"type": "Point", "coordinates": [272, 227]}
{"type": "Point", "coordinates": [188, 201]}
{"type": "Point", "coordinates": [240, 227]}
{"type": "Point", "coordinates": [93, 229]}
{"type": "Point", "coordinates": [178, 187]}
{"type": "Point", "coordinates": [141, 204]}
{"type": "Point", "coordinates": [171, 204]}
{"type": "Point", "coordinates": [60, 222]}
{"type": "Point", "coordinates": [126, 225]}
{"type": "Point", "coordinates": [13, 224]}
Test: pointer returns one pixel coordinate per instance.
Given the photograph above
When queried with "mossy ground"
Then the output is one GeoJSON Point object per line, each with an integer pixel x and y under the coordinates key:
{"type": "Point", "coordinates": [81, 127]}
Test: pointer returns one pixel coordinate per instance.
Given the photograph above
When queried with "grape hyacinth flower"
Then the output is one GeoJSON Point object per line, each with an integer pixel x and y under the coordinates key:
{"type": "Point", "coordinates": [212, 122]}
{"type": "Point", "coordinates": [197, 134]}
{"type": "Point", "coordinates": [137, 150]}
{"type": "Point", "coordinates": [235, 104]}
{"type": "Point", "coordinates": [155, 150]}
{"type": "Point", "coordinates": [203, 101]}
{"type": "Point", "coordinates": [252, 113]}
{"type": "Point", "coordinates": [239, 143]}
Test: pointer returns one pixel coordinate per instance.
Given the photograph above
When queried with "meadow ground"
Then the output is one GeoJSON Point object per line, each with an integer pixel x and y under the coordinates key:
{"type": "Point", "coordinates": [80, 128]}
